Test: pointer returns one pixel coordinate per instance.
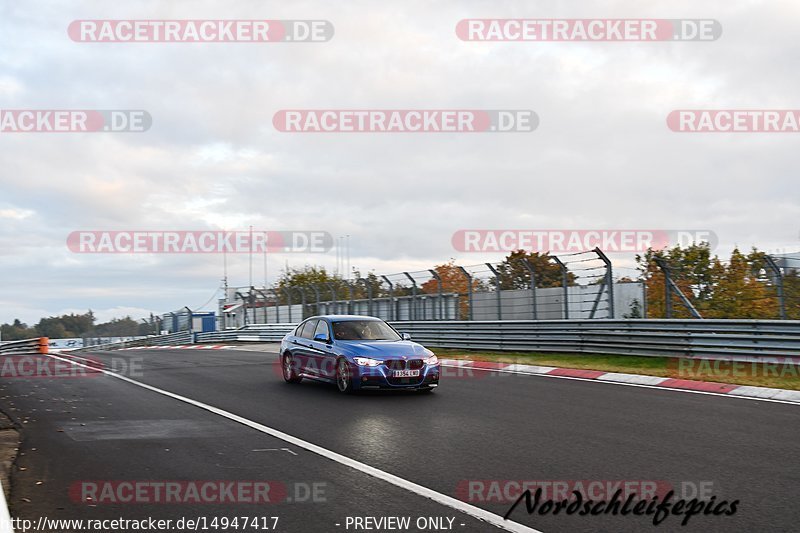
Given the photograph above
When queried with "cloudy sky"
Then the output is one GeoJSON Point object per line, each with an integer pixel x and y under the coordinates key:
{"type": "Point", "coordinates": [602, 156]}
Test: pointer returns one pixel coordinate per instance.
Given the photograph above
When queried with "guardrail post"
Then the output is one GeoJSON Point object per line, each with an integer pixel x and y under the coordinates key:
{"type": "Point", "coordinates": [497, 290]}
{"type": "Point", "coordinates": [532, 271]}
{"type": "Point", "coordinates": [564, 282]}
{"type": "Point", "coordinates": [391, 298]}
{"type": "Point", "coordinates": [778, 284]}
{"type": "Point", "coordinates": [412, 311]}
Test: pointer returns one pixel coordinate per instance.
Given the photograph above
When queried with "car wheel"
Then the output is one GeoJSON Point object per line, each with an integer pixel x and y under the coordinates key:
{"type": "Point", "coordinates": [344, 378]}
{"type": "Point", "coordinates": [289, 372]}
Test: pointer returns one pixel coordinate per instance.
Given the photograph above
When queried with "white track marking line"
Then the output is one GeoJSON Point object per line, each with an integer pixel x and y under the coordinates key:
{"type": "Point", "coordinates": [721, 394]}
{"type": "Point", "coordinates": [458, 505]}
{"type": "Point", "coordinates": [5, 516]}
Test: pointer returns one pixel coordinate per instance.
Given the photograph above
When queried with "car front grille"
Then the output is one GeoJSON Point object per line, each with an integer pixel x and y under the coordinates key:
{"type": "Point", "coordinates": [403, 364]}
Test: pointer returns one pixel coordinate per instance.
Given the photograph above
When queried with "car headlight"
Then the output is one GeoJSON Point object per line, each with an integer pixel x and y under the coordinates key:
{"type": "Point", "coordinates": [366, 361]}
{"type": "Point", "coordinates": [432, 360]}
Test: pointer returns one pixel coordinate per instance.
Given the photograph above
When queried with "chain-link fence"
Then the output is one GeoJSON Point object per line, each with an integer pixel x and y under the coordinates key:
{"type": "Point", "coordinates": [583, 285]}
{"type": "Point", "coordinates": [527, 287]}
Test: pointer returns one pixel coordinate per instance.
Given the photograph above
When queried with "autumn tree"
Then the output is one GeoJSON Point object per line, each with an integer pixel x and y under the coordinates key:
{"type": "Point", "coordinates": [739, 292]}
{"type": "Point", "coordinates": [453, 281]}
{"type": "Point", "coordinates": [514, 275]}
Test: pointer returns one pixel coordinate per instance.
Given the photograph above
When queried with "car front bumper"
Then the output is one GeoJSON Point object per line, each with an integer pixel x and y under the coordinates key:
{"type": "Point", "coordinates": [381, 377]}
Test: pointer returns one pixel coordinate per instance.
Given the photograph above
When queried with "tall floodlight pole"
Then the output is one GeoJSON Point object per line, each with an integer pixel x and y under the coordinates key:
{"type": "Point", "coordinates": [266, 271]}
{"type": "Point", "coordinates": [251, 256]}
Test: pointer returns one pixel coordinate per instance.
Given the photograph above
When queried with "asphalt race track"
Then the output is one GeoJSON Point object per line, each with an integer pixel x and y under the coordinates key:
{"type": "Point", "coordinates": [480, 428]}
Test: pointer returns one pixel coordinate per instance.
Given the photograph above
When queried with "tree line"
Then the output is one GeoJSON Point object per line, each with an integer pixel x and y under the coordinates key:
{"type": "Point", "coordinates": [74, 326]}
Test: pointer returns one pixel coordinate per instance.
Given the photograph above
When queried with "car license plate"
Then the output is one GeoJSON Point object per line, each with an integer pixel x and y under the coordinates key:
{"type": "Point", "coordinates": [406, 373]}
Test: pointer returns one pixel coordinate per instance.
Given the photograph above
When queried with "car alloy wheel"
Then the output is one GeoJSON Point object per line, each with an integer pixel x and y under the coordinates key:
{"type": "Point", "coordinates": [343, 378]}
{"type": "Point", "coordinates": [289, 374]}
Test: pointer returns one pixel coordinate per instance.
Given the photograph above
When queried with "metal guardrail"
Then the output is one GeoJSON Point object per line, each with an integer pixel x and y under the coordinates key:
{"type": "Point", "coordinates": [253, 333]}
{"type": "Point", "coordinates": [182, 337]}
{"type": "Point", "coordinates": [675, 338]}
{"type": "Point", "coordinates": [671, 338]}
{"type": "Point", "coordinates": [35, 346]}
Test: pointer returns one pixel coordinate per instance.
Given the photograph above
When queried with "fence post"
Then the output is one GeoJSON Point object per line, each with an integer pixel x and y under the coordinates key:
{"type": "Point", "coordinates": [644, 298]}
{"type": "Point", "coordinates": [670, 287]}
{"type": "Point", "coordinates": [302, 291]}
{"type": "Point", "coordinates": [316, 293]}
{"type": "Point", "coordinates": [439, 284]}
{"type": "Point", "coordinates": [391, 297]}
{"type": "Point", "coordinates": [778, 285]}
{"type": "Point", "coordinates": [413, 297]}
{"type": "Point", "coordinates": [564, 279]}
{"type": "Point", "coordinates": [333, 297]}
{"type": "Point", "coordinates": [532, 272]}
{"type": "Point", "coordinates": [369, 296]}
{"type": "Point", "coordinates": [469, 290]}
{"type": "Point", "coordinates": [609, 281]}
{"type": "Point", "coordinates": [191, 316]}
{"type": "Point", "coordinates": [497, 289]}
{"type": "Point", "coordinates": [277, 306]}
{"type": "Point", "coordinates": [350, 295]}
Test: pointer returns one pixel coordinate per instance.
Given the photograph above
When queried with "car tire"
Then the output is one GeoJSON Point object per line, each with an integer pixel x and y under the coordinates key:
{"type": "Point", "coordinates": [344, 377]}
{"type": "Point", "coordinates": [287, 369]}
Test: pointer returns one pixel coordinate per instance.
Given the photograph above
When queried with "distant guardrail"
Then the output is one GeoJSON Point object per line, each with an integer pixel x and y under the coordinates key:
{"type": "Point", "coordinates": [649, 337]}
{"type": "Point", "coordinates": [671, 338]}
{"type": "Point", "coordinates": [251, 333]}
{"type": "Point", "coordinates": [181, 337]}
{"type": "Point", "coordinates": [35, 346]}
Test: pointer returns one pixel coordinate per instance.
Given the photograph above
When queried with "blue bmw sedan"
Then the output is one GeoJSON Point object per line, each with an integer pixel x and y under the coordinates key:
{"type": "Point", "coordinates": [357, 353]}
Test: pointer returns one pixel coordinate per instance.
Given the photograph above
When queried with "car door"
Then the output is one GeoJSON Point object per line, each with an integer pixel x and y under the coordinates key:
{"type": "Point", "coordinates": [301, 347]}
{"type": "Point", "coordinates": [323, 351]}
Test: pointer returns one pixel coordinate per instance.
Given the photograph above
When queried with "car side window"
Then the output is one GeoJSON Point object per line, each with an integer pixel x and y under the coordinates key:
{"type": "Point", "coordinates": [322, 328]}
{"type": "Point", "coordinates": [308, 329]}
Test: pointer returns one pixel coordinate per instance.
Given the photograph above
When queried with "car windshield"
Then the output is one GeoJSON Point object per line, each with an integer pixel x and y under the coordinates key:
{"type": "Point", "coordinates": [364, 330]}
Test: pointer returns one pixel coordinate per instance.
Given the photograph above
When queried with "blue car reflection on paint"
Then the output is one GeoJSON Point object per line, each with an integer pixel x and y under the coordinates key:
{"type": "Point", "coordinates": [357, 353]}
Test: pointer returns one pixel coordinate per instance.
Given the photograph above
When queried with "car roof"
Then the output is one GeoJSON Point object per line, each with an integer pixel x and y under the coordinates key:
{"type": "Point", "coordinates": [345, 318]}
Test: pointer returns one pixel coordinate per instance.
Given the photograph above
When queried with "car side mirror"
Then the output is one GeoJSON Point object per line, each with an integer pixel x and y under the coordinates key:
{"type": "Point", "coordinates": [321, 337]}
{"type": "Point", "coordinates": [406, 336]}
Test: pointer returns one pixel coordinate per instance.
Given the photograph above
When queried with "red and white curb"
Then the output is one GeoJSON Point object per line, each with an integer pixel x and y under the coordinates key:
{"type": "Point", "coordinates": [708, 387]}
{"type": "Point", "coordinates": [184, 347]}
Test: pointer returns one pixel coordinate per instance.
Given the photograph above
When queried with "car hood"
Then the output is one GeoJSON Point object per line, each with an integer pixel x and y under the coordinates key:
{"type": "Point", "coordinates": [384, 349]}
